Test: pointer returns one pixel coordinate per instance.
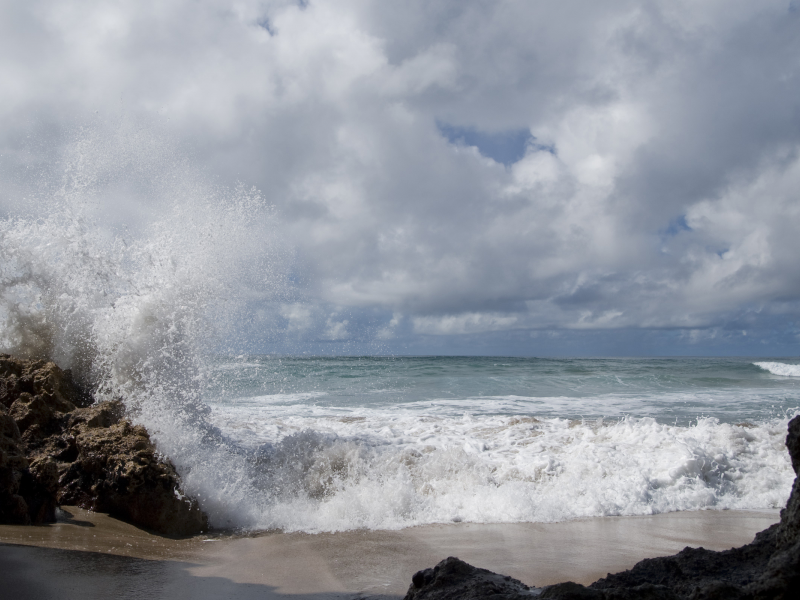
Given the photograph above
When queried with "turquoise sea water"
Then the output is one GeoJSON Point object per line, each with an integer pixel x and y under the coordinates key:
{"type": "Point", "coordinates": [671, 390]}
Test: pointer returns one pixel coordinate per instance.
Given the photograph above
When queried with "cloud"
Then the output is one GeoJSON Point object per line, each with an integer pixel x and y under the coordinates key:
{"type": "Point", "coordinates": [390, 331]}
{"type": "Point", "coordinates": [336, 330]}
{"type": "Point", "coordinates": [299, 317]}
{"type": "Point", "coordinates": [463, 323]}
{"type": "Point", "coordinates": [449, 167]}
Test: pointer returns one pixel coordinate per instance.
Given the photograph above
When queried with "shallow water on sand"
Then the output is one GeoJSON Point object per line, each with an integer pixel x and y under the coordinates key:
{"type": "Point", "coordinates": [89, 555]}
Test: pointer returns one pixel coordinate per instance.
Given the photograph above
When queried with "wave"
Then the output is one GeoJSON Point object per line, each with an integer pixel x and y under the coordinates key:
{"type": "Point", "coordinates": [782, 369]}
{"type": "Point", "coordinates": [383, 471]}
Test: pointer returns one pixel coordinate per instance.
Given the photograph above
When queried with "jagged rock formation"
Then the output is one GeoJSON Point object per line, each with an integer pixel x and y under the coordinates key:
{"type": "Point", "coordinates": [57, 448]}
{"type": "Point", "coordinates": [767, 568]}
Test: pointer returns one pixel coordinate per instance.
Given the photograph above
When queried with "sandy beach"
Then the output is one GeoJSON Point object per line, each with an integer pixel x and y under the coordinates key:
{"type": "Point", "coordinates": [89, 555]}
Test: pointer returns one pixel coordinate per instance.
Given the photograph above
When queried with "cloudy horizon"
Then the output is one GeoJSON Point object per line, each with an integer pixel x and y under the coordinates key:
{"type": "Point", "coordinates": [450, 176]}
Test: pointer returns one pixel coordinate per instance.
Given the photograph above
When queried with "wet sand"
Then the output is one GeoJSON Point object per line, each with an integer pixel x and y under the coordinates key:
{"type": "Point", "coordinates": [89, 555]}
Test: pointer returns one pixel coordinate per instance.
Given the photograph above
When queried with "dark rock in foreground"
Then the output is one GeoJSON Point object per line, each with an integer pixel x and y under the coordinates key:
{"type": "Point", "coordinates": [453, 578]}
{"type": "Point", "coordinates": [56, 448]}
{"type": "Point", "coordinates": [767, 568]}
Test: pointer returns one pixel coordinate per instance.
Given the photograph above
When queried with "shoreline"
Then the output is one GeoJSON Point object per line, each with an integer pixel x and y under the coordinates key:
{"type": "Point", "coordinates": [89, 551]}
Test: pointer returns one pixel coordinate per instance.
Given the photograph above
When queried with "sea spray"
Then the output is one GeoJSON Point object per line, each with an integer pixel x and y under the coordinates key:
{"type": "Point", "coordinates": [133, 311]}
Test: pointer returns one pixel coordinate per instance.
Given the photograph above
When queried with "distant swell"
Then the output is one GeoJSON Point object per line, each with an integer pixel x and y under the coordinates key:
{"type": "Point", "coordinates": [781, 369]}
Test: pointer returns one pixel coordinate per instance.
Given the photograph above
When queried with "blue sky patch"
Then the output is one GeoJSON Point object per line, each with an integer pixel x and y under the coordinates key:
{"type": "Point", "coordinates": [505, 147]}
{"type": "Point", "coordinates": [676, 226]}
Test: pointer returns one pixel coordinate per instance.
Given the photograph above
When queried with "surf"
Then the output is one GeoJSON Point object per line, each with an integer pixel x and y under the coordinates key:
{"type": "Point", "coordinates": [781, 369]}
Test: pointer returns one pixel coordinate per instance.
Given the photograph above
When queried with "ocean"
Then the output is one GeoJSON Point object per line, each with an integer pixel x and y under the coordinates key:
{"type": "Point", "coordinates": [391, 442]}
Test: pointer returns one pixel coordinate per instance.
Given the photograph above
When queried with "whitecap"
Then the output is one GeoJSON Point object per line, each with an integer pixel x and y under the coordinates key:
{"type": "Point", "coordinates": [782, 369]}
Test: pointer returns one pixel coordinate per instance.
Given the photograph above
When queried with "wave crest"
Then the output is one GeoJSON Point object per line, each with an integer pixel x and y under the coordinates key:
{"type": "Point", "coordinates": [782, 369]}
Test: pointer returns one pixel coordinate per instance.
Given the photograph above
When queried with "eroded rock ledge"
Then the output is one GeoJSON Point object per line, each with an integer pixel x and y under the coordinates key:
{"type": "Point", "coordinates": [767, 568]}
{"type": "Point", "coordinates": [56, 447]}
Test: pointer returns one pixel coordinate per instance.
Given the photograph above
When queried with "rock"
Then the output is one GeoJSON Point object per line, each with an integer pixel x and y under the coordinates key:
{"type": "Point", "coordinates": [58, 448]}
{"type": "Point", "coordinates": [569, 590]}
{"type": "Point", "coordinates": [453, 578]}
{"type": "Point", "coordinates": [767, 568]}
{"type": "Point", "coordinates": [40, 378]}
{"type": "Point", "coordinates": [38, 487]}
{"type": "Point", "coordinates": [13, 464]}
{"type": "Point", "coordinates": [30, 410]}
{"type": "Point", "coordinates": [118, 471]}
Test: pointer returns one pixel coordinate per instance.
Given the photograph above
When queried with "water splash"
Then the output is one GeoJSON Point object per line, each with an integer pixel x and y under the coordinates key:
{"type": "Point", "coordinates": [132, 270]}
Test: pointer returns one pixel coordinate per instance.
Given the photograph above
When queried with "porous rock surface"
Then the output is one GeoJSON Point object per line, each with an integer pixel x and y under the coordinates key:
{"type": "Point", "coordinates": [767, 568]}
{"type": "Point", "coordinates": [56, 447]}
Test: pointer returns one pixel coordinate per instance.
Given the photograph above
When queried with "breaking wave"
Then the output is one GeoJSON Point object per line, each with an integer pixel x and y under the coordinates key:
{"type": "Point", "coordinates": [781, 369]}
{"type": "Point", "coordinates": [385, 469]}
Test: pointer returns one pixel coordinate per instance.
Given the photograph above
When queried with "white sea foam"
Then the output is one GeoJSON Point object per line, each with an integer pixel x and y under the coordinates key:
{"type": "Point", "coordinates": [345, 469]}
{"type": "Point", "coordinates": [782, 369]}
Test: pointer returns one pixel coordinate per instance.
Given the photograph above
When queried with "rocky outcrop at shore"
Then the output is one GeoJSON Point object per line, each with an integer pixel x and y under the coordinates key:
{"type": "Point", "coordinates": [767, 568]}
{"type": "Point", "coordinates": [56, 447]}
{"type": "Point", "coordinates": [453, 578]}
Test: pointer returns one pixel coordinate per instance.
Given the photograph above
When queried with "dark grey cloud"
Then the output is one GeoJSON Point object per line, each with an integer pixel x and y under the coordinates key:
{"type": "Point", "coordinates": [453, 171]}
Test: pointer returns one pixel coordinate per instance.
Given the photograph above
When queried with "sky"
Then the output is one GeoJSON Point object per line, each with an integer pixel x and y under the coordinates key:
{"type": "Point", "coordinates": [506, 177]}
